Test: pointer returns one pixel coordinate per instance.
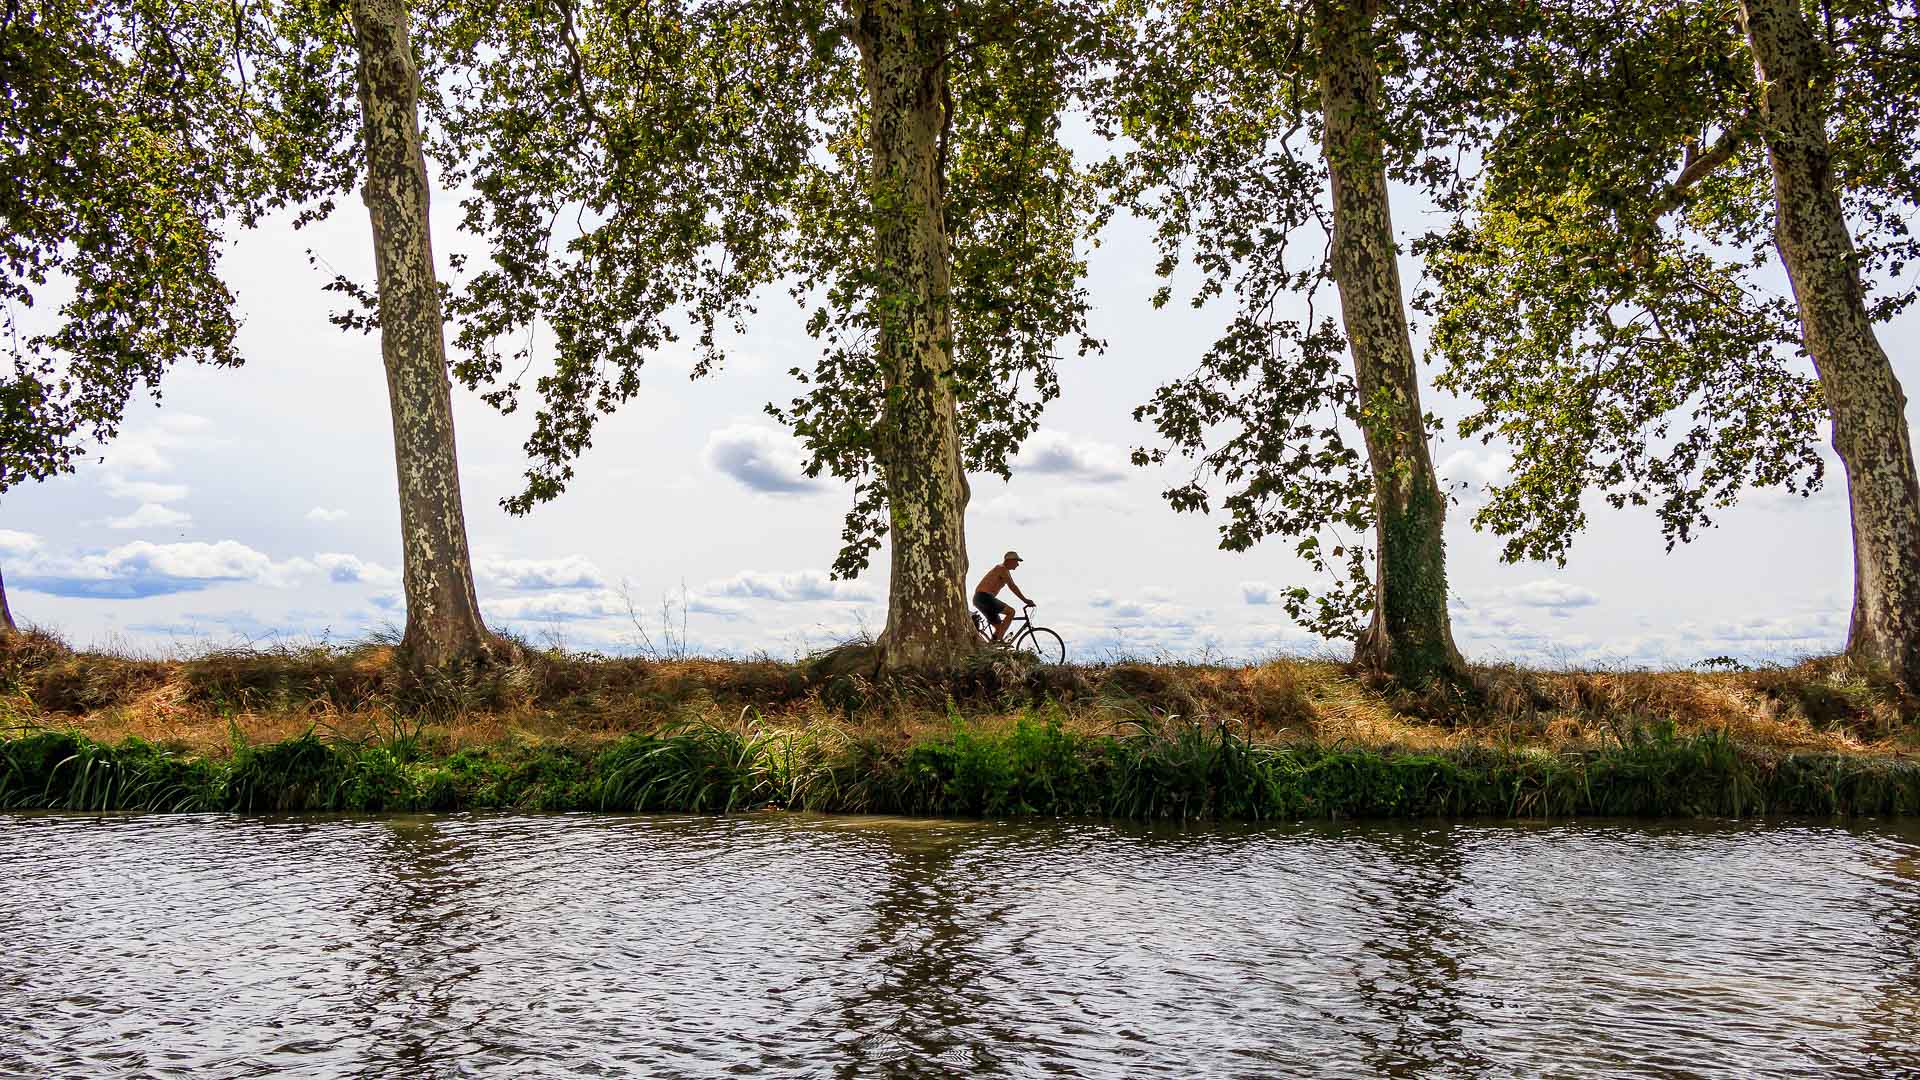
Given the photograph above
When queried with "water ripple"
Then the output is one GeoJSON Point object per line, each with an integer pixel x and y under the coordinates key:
{"type": "Point", "coordinates": [786, 946]}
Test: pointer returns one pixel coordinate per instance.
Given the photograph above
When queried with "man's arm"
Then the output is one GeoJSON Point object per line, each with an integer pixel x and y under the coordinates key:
{"type": "Point", "coordinates": [1016, 590]}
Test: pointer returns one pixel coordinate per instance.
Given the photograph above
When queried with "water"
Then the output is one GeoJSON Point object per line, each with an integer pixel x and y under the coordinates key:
{"type": "Point", "coordinates": [838, 947]}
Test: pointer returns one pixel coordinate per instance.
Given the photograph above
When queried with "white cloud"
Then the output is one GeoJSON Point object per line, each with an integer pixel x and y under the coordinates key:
{"type": "Point", "coordinates": [1804, 629]}
{"type": "Point", "coordinates": [761, 458]}
{"type": "Point", "coordinates": [14, 542]}
{"type": "Point", "coordinates": [148, 449]}
{"type": "Point", "coordinates": [1261, 593]}
{"type": "Point", "coordinates": [1151, 606]}
{"type": "Point", "coordinates": [1283, 637]}
{"type": "Point", "coordinates": [557, 607]}
{"type": "Point", "coordinates": [1503, 632]}
{"type": "Point", "coordinates": [1053, 453]}
{"type": "Point", "coordinates": [347, 569]}
{"type": "Point", "coordinates": [142, 569]}
{"type": "Point", "coordinates": [1128, 639]}
{"type": "Point", "coordinates": [134, 453]}
{"type": "Point", "coordinates": [146, 491]}
{"type": "Point", "coordinates": [1020, 511]}
{"type": "Point", "coordinates": [181, 425]}
{"type": "Point", "coordinates": [151, 516]}
{"type": "Point", "coordinates": [1470, 470]}
{"type": "Point", "coordinates": [566, 572]}
{"type": "Point", "coordinates": [321, 513]}
{"type": "Point", "coordinates": [1031, 508]}
{"type": "Point", "coordinates": [1501, 618]}
{"type": "Point", "coordinates": [1547, 593]}
{"type": "Point", "coordinates": [707, 605]}
{"type": "Point", "coordinates": [806, 586]}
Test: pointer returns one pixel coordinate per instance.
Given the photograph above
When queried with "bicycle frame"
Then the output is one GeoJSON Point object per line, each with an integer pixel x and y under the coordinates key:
{"type": "Point", "coordinates": [1026, 636]}
{"type": "Point", "coordinates": [1020, 624]}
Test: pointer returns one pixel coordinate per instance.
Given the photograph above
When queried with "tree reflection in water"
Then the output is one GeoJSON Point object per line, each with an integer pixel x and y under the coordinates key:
{"type": "Point", "coordinates": [1421, 947]}
{"type": "Point", "coordinates": [920, 1010]}
{"type": "Point", "coordinates": [422, 919]}
{"type": "Point", "coordinates": [1892, 1021]}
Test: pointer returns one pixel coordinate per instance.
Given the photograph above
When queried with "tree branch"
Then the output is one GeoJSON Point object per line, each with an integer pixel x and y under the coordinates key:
{"type": "Point", "coordinates": [569, 36]}
{"type": "Point", "coordinates": [1701, 166]}
{"type": "Point", "coordinates": [1698, 167]}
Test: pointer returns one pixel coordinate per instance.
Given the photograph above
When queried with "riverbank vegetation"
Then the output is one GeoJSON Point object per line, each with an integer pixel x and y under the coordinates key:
{"type": "Point", "coordinates": [348, 728]}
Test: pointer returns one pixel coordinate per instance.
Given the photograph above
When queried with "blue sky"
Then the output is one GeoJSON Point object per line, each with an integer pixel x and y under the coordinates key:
{"type": "Point", "coordinates": [259, 505]}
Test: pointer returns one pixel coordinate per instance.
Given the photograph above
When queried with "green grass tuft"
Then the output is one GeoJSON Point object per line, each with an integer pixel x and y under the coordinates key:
{"type": "Point", "coordinates": [1157, 768]}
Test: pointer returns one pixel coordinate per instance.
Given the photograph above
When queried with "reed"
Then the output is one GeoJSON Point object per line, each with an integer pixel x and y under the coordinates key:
{"type": "Point", "coordinates": [1159, 768]}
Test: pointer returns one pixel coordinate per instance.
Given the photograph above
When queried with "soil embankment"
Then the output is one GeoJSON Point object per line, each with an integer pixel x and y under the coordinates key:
{"type": "Point", "coordinates": [346, 729]}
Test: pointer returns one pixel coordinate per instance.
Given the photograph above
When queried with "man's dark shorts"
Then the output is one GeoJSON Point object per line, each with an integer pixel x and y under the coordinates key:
{"type": "Point", "coordinates": [991, 606]}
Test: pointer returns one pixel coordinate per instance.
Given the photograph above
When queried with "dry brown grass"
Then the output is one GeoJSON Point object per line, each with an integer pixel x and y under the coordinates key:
{"type": "Point", "coordinates": [206, 703]}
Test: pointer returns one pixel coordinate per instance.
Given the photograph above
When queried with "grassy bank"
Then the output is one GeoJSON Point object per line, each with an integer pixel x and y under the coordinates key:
{"type": "Point", "coordinates": [344, 729]}
{"type": "Point", "coordinates": [1182, 771]}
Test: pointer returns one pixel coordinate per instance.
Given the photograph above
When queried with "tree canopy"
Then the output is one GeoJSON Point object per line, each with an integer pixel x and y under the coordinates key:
{"type": "Point", "coordinates": [1606, 304]}
{"type": "Point", "coordinates": [1604, 307]}
{"type": "Point", "coordinates": [125, 150]}
{"type": "Point", "coordinates": [1246, 122]}
{"type": "Point", "coordinates": [653, 178]}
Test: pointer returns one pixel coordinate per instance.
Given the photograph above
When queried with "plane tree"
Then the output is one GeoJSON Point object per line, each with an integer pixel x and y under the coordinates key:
{"type": "Point", "coordinates": [136, 132]}
{"type": "Point", "coordinates": [1606, 300]}
{"type": "Point", "coordinates": [331, 92]}
{"type": "Point", "coordinates": [648, 173]}
{"type": "Point", "coordinates": [1264, 136]}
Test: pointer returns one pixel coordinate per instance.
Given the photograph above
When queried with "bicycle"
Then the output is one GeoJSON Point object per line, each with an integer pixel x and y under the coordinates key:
{"type": "Point", "coordinates": [1037, 641]}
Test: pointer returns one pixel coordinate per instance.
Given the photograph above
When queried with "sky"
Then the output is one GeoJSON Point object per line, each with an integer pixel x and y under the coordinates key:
{"type": "Point", "coordinates": [258, 506]}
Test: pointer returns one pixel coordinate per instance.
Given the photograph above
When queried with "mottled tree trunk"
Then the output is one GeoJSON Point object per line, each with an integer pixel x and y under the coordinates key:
{"type": "Point", "coordinates": [1860, 638]}
{"type": "Point", "coordinates": [6, 613]}
{"type": "Point", "coordinates": [443, 617]}
{"type": "Point", "coordinates": [902, 48]}
{"type": "Point", "coordinates": [1410, 636]}
{"type": "Point", "coordinates": [1864, 398]}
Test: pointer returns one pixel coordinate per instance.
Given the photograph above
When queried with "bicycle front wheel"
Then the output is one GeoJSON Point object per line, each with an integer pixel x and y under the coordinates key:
{"type": "Point", "coordinates": [1045, 644]}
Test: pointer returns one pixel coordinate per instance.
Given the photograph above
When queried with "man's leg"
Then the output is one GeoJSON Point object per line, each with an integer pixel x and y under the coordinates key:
{"type": "Point", "coordinates": [1006, 620]}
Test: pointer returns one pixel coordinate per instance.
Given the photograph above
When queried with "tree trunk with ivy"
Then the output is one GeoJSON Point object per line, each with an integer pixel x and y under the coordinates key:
{"type": "Point", "coordinates": [1410, 636]}
{"type": "Point", "coordinates": [1870, 431]}
{"type": "Point", "coordinates": [903, 49]}
{"type": "Point", "coordinates": [6, 613]}
{"type": "Point", "coordinates": [443, 615]}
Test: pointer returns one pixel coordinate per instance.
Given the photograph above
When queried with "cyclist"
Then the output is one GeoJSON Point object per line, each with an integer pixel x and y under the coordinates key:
{"type": "Point", "coordinates": [986, 598]}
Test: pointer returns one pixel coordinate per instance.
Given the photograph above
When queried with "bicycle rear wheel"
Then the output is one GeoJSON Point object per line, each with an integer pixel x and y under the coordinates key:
{"type": "Point", "coordinates": [1043, 643]}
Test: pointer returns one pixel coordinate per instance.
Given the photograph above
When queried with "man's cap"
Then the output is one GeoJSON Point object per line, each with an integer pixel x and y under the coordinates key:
{"type": "Point", "coordinates": [1014, 555]}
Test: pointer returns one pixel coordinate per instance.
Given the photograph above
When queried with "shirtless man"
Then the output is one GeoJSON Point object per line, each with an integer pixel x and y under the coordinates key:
{"type": "Point", "coordinates": [985, 595]}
